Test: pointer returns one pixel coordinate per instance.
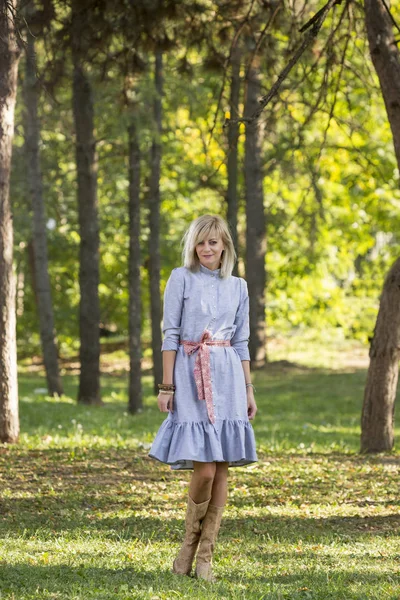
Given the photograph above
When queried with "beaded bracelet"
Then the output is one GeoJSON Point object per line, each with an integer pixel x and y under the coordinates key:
{"type": "Point", "coordinates": [250, 384]}
{"type": "Point", "coordinates": [169, 392]}
{"type": "Point", "coordinates": [166, 386]}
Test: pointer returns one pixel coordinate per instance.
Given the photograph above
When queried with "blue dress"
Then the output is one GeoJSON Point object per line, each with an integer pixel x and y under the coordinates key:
{"type": "Point", "coordinates": [193, 303]}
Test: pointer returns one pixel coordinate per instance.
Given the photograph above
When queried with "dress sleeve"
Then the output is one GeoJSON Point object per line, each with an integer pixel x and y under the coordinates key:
{"type": "Point", "coordinates": [173, 302]}
{"type": "Point", "coordinates": [240, 338]}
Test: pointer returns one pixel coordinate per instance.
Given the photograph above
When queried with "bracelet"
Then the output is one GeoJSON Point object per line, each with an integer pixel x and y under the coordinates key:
{"type": "Point", "coordinates": [250, 384]}
{"type": "Point", "coordinates": [168, 392]}
{"type": "Point", "coordinates": [166, 386]}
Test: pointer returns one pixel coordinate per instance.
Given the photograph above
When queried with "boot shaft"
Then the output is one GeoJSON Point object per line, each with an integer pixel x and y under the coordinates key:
{"type": "Point", "coordinates": [209, 532]}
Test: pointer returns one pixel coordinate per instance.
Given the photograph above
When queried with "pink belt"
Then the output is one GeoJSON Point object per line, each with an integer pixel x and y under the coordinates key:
{"type": "Point", "coordinates": [202, 369]}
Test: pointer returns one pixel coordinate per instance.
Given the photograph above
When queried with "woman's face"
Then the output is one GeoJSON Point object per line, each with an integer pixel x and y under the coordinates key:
{"type": "Point", "coordinates": [209, 252]}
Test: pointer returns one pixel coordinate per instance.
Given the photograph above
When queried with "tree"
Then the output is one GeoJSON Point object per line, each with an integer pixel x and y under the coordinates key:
{"type": "Point", "coordinates": [255, 219]}
{"type": "Point", "coordinates": [9, 58]}
{"type": "Point", "coordinates": [135, 304]}
{"type": "Point", "coordinates": [40, 256]}
{"type": "Point", "coordinates": [154, 222]}
{"type": "Point", "coordinates": [233, 139]}
{"type": "Point", "coordinates": [86, 163]}
{"type": "Point", "coordinates": [380, 390]}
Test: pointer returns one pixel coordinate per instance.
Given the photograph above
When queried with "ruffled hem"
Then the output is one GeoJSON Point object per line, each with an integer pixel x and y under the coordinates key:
{"type": "Point", "coordinates": [179, 444]}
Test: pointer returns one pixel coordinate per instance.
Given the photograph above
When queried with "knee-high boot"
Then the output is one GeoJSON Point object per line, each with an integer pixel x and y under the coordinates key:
{"type": "Point", "coordinates": [209, 533]}
{"type": "Point", "coordinates": [195, 514]}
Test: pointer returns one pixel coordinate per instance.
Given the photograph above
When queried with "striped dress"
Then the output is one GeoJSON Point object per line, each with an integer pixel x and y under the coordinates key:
{"type": "Point", "coordinates": [209, 422]}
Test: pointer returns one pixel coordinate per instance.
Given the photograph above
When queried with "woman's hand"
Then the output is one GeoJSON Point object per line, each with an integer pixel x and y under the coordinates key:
{"type": "Point", "coordinates": [251, 404]}
{"type": "Point", "coordinates": [166, 402]}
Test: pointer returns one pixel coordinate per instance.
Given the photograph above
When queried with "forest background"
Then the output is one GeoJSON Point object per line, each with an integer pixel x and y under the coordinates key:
{"type": "Point", "coordinates": [330, 178]}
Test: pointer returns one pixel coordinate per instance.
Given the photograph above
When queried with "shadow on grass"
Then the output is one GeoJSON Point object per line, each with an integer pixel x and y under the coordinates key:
{"type": "Point", "coordinates": [60, 490]}
{"type": "Point", "coordinates": [104, 583]}
{"type": "Point", "coordinates": [63, 578]}
{"type": "Point", "coordinates": [25, 518]}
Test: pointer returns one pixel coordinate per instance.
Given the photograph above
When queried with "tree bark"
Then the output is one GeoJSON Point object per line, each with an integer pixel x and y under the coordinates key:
{"type": "Point", "coordinates": [135, 307]}
{"type": "Point", "coordinates": [256, 227]}
{"type": "Point", "coordinates": [154, 223]}
{"type": "Point", "coordinates": [380, 390]}
{"type": "Point", "coordinates": [233, 137]}
{"type": "Point", "coordinates": [386, 60]}
{"type": "Point", "coordinates": [86, 162]}
{"type": "Point", "coordinates": [42, 279]}
{"type": "Point", "coordinates": [9, 57]}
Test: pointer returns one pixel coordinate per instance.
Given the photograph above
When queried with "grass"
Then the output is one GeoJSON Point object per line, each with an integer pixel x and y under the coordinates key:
{"type": "Point", "coordinates": [85, 514]}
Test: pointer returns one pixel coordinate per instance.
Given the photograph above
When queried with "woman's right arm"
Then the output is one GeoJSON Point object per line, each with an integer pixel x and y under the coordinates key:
{"type": "Point", "coordinates": [168, 361]}
{"type": "Point", "coordinates": [172, 314]}
{"type": "Point", "coordinates": [173, 304]}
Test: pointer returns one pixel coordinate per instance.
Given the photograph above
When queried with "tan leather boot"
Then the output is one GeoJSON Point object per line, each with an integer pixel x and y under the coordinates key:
{"type": "Point", "coordinates": [209, 533]}
{"type": "Point", "coordinates": [195, 514]}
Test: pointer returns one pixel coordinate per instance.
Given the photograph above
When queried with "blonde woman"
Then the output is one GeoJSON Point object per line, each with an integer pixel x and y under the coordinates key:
{"type": "Point", "coordinates": [206, 386]}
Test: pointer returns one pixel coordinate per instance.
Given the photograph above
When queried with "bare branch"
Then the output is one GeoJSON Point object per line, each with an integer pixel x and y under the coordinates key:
{"type": "Point", "coordinates": [226, 65]}
{"type": "Point", "coordinates": [313, 26]}
{"type": "Point", "coordinates": [395, 24]}
{"type": "Point", "coordinates": [336, 91]}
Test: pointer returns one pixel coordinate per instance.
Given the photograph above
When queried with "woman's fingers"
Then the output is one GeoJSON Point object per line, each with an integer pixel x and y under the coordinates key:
{"type": "Point", "coordinates": [162, 402]}
{"type": "Point", "coordinates": [165, 402]}
{"type": "Point", "coordinates": [251, 410]}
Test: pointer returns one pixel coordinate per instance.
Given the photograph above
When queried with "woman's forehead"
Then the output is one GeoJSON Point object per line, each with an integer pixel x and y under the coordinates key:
{"type": "Point", "coordinates": [211, 235]}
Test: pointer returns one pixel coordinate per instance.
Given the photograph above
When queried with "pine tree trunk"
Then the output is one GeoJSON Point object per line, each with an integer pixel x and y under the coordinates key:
{"type": "Point", "coordinates": [255, 218]}
{"type": "Point", "coordinates": [154, 223]}
{"type": "Point", "coordinates": [380, 390]}
{"type": "Point", "coordinates": [9, 57]}
{"type": "Point", "coordinates": [86, 162]}
{"type": "Point", "coordinates": [42, 280]}
{"type": "Point", "coordinates": [233, 137]}
{"type": "Point", "coordinates": [135, 307]}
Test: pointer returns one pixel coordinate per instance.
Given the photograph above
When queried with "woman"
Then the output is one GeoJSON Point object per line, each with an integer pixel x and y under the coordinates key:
{"type": "Point", "coordinates": [206, 387]}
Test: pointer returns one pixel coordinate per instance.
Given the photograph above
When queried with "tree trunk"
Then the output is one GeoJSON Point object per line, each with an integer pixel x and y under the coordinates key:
{"type": "Point", "coordinates": [86, 162]}
{"type": "Point", "coordinates": [42, 280]}
{"type": "Point", "coordinates": [9, 57]}
{"type": "Point", "coordinates": [386, 59]}
{"type": "Point", "coordinates": [135, 307]}
{"type": "Point", "coordinates": [233, 137]}
{"type": "Point", "coordinates": [380, 390]}
{"type": "Point", "coordinates": [154, 223]}
{"type": "Point", "coordinates": [255, 218]}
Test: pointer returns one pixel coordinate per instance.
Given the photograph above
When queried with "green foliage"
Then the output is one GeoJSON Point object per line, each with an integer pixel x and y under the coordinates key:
{"type": "Point", "coordinates": [331, 180]}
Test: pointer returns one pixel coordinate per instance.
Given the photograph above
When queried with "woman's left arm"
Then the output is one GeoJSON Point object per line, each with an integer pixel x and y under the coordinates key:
{"type": "Point", "coordinates": [240, 341]}
{"type": "Point", "coordinates": [251, 403]}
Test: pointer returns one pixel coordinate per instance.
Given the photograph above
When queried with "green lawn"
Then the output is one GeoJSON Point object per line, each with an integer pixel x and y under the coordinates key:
{"type": "Point", "coordinates": [85, 514]}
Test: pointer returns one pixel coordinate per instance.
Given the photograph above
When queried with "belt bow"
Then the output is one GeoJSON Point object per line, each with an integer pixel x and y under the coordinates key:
{"type": "Point", "coordinates": [202, 367]}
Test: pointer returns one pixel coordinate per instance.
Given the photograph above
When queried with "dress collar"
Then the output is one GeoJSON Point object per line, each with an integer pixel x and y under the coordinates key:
{"type": "Point", "coordinates": [204, 269]}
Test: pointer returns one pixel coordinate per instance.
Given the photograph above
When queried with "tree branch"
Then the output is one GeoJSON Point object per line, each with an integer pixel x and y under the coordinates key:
{"type": "Point", "coordinates": [395, 24]}
{"type": "Point", "coordinates": [313, 26]}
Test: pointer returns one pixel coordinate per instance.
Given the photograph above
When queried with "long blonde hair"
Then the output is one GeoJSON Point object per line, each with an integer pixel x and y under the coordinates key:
{"type": "Point", "coordinates": [202, 228]}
